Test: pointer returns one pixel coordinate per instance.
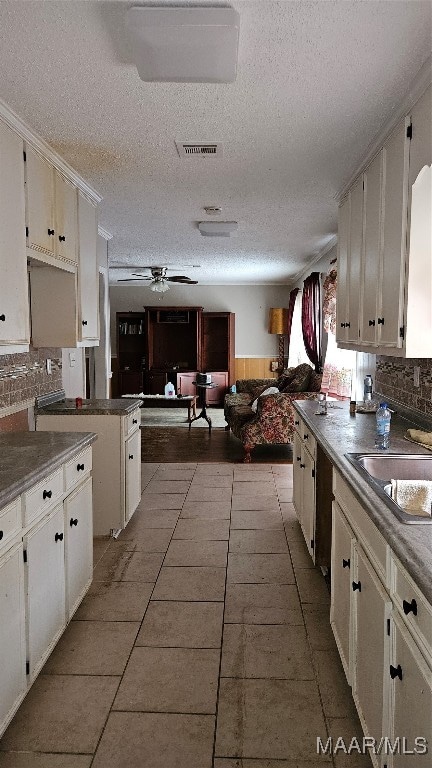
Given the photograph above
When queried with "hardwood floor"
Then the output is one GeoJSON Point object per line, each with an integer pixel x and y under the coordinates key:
{"type": "Point", "coordinates": [174, 444]}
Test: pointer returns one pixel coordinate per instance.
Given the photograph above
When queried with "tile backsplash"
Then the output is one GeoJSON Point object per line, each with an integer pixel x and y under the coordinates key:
{"type": "Point", "coordinates": [24, 376]}
{"type": "Point", "coordinates": [394, 379]}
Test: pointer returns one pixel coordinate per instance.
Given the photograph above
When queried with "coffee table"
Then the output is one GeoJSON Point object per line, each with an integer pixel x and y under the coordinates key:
{"type": "Point", "coordinates": [160, 401]}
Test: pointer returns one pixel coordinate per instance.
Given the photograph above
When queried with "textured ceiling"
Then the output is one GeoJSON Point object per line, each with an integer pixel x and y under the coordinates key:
{"type": "Point", "coordinates": [316, 80]}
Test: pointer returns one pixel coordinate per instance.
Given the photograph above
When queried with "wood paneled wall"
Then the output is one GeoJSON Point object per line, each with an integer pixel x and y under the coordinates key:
{"type": "Point", "coordinates": [254, 368]}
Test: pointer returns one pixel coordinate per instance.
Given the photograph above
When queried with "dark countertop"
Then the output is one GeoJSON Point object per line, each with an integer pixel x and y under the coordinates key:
{"type": "Point", "coordinates": [339, 433]}
{"type": "Point", "coordinates": [119, 407]}
{"type": "Point", "coordinates": [27, 457]}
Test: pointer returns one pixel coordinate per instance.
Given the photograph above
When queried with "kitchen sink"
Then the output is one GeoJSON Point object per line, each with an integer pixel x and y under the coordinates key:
{"type": "Point", "coordinates": [379, 470]}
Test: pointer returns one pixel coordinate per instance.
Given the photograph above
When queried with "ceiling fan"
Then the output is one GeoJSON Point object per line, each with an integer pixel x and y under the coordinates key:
{"type": "Point", "coordinates": [159, 279]}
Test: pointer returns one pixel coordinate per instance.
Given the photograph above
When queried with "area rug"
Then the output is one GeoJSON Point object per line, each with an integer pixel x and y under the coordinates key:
{"type": "Point", "coordinates": [177, 417]}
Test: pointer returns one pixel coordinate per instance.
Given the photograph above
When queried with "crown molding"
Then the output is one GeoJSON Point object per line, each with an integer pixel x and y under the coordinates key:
{"type": "Point", "coordinates": [418, 86]}
{"type": "Point", "coordinates": [40, 145]}
{"type": "Point", "coordinates": [326, 249]}
{"type": "Point", "coordinates": [104, 233]}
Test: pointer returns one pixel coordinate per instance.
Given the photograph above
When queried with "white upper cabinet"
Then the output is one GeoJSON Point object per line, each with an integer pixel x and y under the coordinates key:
{"type": "Point", "coordinates": [39, 205]}
{"type": "Point", "coordinates": [14, 306]}
{"type": "Point", "coordinates": [66, 219]}
{"type": "Point", "coordinates": [88, 274]}
{"type": "Point", "coordinates": [388, 248]}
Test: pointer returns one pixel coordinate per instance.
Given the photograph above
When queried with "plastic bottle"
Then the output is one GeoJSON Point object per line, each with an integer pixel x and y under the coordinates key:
{"type": "Point", "coordinates": [368, 388]}
{"type": "Point", "coordinates": [169, 390]}
{"type": "Point", "coordinates": [383, 417]}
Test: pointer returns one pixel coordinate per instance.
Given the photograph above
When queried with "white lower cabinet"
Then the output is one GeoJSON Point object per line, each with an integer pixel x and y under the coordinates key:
{"type": "Point", "coordinates": [341, 587]}
{"type": "Point", "coordinates": [13, 681]}
{"type": "Point", "coordinates": [304, 486]}
{"type": "Point", "coordinates": [45, 586]}
{"type": "Point", "coordinates": [133, 473]}
{"type": "Point", "coordinates": [78, 524]}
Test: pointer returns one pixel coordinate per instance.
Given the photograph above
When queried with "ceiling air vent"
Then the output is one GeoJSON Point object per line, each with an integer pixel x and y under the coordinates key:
{"type": "Point", "coordinates": [194, 149]}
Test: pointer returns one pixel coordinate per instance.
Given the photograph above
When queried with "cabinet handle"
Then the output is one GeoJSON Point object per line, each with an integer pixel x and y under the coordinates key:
{"type": "Point", "coordinates": [356, 585]}
{"type": "Point", "coordinates": [131, 455]}
{"type": "Point", "coordinates": [343, 325]}
{"type": "Point", "coordinates": [306, 436]}
{"type": "Point", "coordinates": [80, 467]}
{"type": "Point", "coordinates": [84, 322]}
{"type": "Point", "coordinates": [298, 458]}
{"type": "Point", "coordinates": [50, 232]}
{"type": "Point", "coordinates": [1, 535]}
{"type": "Point", "coordinates": [371, 322]}
{"type": "Point", "coordinates": [380, 321]}
{"type": "Point", "coordinates": [62, 238]}
{"type": "Point", "coordinates": [396, 672]}
{"type": "Point", "coordinates": [72, 522]}
{"type": "Point", "coordinates": [296, 423]}
{"type": "Point", "coordinates": [46, 495]}
{"type": "Point", "coordinates": [348, 325]}
{"type": "Point", "coordinates": [2, 318]}
{"type": "Point", "coordinates": [134, 421]}
{"type": "Point", "coordinates": [346, 563]}
{"type": "Point", "coordinates": [58, 537]}
{"type": "Point", "coordinates": [410, 607]}
{"type": "Point", "coordinates": [302, 465]}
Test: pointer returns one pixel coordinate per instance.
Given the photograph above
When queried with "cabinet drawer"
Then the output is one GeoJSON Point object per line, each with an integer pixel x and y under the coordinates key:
{"type": "Point", "coordinates": [10, 522]}
{"type": "Point", "coordinates": [77, 468]}
{"type": "Point", "coordinates": [411, 604]}
{"type": "Point", "coordinates": [133, 421]}
{"type": "Point", "coordinates": [363, 527]}
{"type": "Point", "coordinates": [43, 496]}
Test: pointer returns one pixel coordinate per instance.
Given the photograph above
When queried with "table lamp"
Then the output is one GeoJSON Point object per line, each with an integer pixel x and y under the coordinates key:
{"type": "Point", "coordinates": [277, 324]}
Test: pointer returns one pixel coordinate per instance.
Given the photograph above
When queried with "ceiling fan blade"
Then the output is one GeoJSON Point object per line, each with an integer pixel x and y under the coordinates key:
{"type": "Point", "coordinates": [143, 277]}
{"type": "Point", "coordinates": [180, 279]}
{"type": "Point", "coordinates": [132, 279]}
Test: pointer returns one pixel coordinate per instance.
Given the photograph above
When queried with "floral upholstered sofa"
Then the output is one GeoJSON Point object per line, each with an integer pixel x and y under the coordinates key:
{"type": "Point", "coordinates": [273, 420]}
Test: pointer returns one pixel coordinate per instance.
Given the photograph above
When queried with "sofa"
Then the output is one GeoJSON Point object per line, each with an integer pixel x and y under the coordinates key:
{"type": "Point", "coordinates": [273, 420]}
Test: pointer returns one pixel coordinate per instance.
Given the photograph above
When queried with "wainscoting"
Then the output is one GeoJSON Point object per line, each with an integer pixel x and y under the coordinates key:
{"type": "Point", "coordinates": [254, 368]}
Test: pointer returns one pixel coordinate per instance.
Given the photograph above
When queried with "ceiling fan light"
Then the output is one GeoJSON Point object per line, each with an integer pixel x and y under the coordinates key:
{"type": "Point", "coordinates": [217, 228]}
{"type": "Point", "coordinates": [159, 286]}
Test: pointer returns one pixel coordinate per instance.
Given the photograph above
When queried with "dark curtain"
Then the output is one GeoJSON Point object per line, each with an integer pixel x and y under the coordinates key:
{"type": "Point", "coordinates": [290, 312]}
{"type": "Point", "coordinates": [311, 319]}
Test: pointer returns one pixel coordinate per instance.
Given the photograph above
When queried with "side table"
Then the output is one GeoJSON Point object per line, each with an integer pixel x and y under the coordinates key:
{"type": "Point", "coordinates": [202, 399]}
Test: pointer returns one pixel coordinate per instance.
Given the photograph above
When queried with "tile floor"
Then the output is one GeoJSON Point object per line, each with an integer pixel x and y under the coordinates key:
{"type": "Point", "coordinates": [204, 641]}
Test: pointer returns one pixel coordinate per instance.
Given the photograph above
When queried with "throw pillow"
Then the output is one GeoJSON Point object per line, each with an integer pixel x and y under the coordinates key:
{"type": "Point", "coordinates": [300, 382]}
{"type": "Point", "coordinates": [285, 378]}
{"type": "Point", "coordinates": [268, 391]}
{"type": "Point", "coordinates": [257, 391]}
{"type": "Point", "coordinates": [315, 382]}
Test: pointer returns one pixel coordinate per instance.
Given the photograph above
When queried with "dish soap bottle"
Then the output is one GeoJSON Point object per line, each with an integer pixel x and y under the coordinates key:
{"type": "Point", "coordinates": [169, 390]}
{"type": "Point", "coordinates": [383, 417]}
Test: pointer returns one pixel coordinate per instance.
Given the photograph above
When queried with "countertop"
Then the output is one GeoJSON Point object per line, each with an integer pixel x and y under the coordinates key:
{"type": "Point", "coordinates": [339, 433]}
{"type": "Point", "coordinates": [27, 457]}
{"type": "Point", "coordinates": [119, 407]}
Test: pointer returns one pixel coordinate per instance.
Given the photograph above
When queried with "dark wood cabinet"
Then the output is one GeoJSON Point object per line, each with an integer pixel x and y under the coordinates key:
{"type": "Point", "coordinates": [218, 352]}
{"type": "Point", "coordinates": [131, 352]}
{"type": "Point", "coordinates": [173, 345]}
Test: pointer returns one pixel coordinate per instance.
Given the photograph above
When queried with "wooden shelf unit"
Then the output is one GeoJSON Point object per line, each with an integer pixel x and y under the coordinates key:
{"type": "Point", "coordinates": [131, 351]}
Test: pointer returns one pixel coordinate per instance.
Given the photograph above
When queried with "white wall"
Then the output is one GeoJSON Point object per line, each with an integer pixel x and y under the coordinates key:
{"type": "Point", "coordinates": [251, 304]}
{"type": "Point", "coordinates": [73, 372]}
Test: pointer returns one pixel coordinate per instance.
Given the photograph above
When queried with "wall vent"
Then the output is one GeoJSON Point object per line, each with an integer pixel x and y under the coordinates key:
{"type": "Point", "coordinates": [195, 149]}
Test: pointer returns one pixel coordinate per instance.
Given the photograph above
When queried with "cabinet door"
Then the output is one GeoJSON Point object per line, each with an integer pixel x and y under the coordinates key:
{"type": "Point", "coordinates": [297, 475]}
{"type": "Point", "coordinates": [411, 696]}
{"type": "Point", "coordinates": [308, 500]}
{"type": "Point", "coordinates": [65, 218]}
{"type": "Point", "coordinates": [132, 473]}
{"type": "Point", "coordinates": [371, 606]}
{"type": "Point", "coordinates": [216, 395]}
{"type": "Point", "coordinates": [341, 588]}
{"type": "Point", "coordinates": [185, 385]}
{"type": "Point", "coordinates": [14, 301]}
{"type": "Point", "coordinates": [372, 248]}
{"type": "Point", "coordinates": [156, 381]}
{"type": "Point", "coordinates": [45, 585]}
{"type": "Point", "coordinates": [88, 276]}
{"type": "Point", "coordinates": [355, 261]}
{"type": "Point", "coordinates": [79, 545]}
{"type": "Point", "coordinates": [395, 215]}
{"type": "Point", "coordinates": [12, 633]}
{"type": "Point", "coordinates": [40, 203]}
{"type": "Point", "coordinates": [342, 265]}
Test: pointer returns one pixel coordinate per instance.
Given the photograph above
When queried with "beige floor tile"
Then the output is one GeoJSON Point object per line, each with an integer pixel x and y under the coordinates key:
{"type": "Point", "coordinates": [276, 719]}
{"type": "Point", "coordinates": [335, 692]}
{"type": "Point", "coordinates": [266, 652]}
{"type": "Point", "coordinates": [146, 740]}
{"type": "Point", "coordinates": [167, 486]}
{"type": "Point", "coordinates": [43, 760]}
{"type": "Point", "coordinates": [262, 604]}
{"type": "Point", "coordinates": [249, 503]}
{"type": "Point", "coordinates": [128, 566]}
{"type": "Point", "coordinates": [311, 586]}
{"type": "Point", "coordinates": [211, 481]}
{"type": "Point", "coordinates": [165, 473]}
{"type": "Point", "coordinates": [206, 510]}
{"type": "Point", "coordinates": [100, 545]}
{"type": "Point", "coordinates": [119, 601]}
{"type": "Point", "coordinates": [260, 569]}
{"type": "Point", "coordinates": [202, 530]}
{"type": "Point", "coordinates": [282, 481]}
{"type": "Point", "coordinates": [162, 501]}
{"type": "Point", "coordinates": [253, 489]}
{"type": "Point", "coordinates": [252, 468]}
{"type": "Point", "coordinates": [212, 553]}
{"type": "Point", "coordinates": [180, 680]}
{"type": "Point", "coordinates": [264, 519]}
{"type": "Point", "coordinates": [222, 762]}
{"type": "Point", "coordinates": [300, 556]}
{"type": "Point", "coordinates": [285, 495]}
{"type": "Point", "coordinates": [288, 511]}
{"type": "Point", "coordinates": [245, 477]}
{"type": "Point", "coordinates": [257, 541]}
{"type": "Point", "coordinates": [214, 469]}
{"type": "Point", "coordinates": [93, 648]}
{"type": "Point", "coordinates": [177, 465]}
{"type": "Point", "coordinates": [317, 620]}
{"type": "Point", "coordinates": [145, 540]}
{"type": "Point", "coordinates": [153, 518]}
{"type": "Point", "coordinates": [199, 493]}
{"type": "Point", "coordinates": [282, 469]}
{"type": "Point", "coordinates": [293, 532]}
{"type": "Point", "coordinates": [348, 728]}
{"type": "Point", "coordinates": [186, 583]}
{"type": "Point", "coordinates": [182, 625]}
{"type": "Point", "coordinates": [62, 713]}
